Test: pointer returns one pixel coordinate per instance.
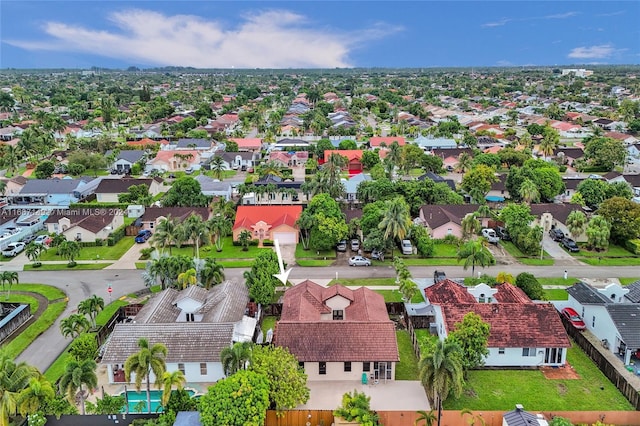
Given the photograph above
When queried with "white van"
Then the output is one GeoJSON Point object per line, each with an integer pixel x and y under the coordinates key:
{"type": "Point", "coordinates": [406, 246]}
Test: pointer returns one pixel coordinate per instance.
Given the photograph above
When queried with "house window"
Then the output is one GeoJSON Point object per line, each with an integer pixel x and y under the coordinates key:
{"type": "Point", "coordinates": [500, 351]}
{"type": "Point", "coordinates": [593, 321]}
{"type": "Point", "coordinates": [151, 225]}
{"type": "Point", "coordinates": [449, 231]}
{"type": "Point", "coordinates": [203, 368]}
{"type": "Point", "coordinates": [301, 365]}
{"type": "Point", "coordinates": [322, 368]}
{"type": "Point", "coordinates": [481, 299]}
{"type": "Point", "coordinates": [347, 366]}
{"type": "Point", "coordinates": [181, 367]}
{"type": "Point", "coordinates": [190, 318]}
{"type": "Point", "coordinates": [528, 351]}
{"type": "Point", "coordinates": [366, 366]}
{"type": "Point", "coordinates": [338, 314]}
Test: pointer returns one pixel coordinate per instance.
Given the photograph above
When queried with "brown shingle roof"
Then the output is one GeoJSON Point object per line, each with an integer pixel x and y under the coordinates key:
{"type": "Point", "coordinates": [438, 215]}
{"type": "Point", "coordinates": [181, 213]}
{"type": "Point", "coordinates": [119, 186]}
{"type": "Point", "coordinates": [85, 218]}
{"type": "Point", "coordinates": [185, 342]}
{"type": "Point", "coordinates": [336, 341]}
{"type": "Point", "coordinates": [560, 212]}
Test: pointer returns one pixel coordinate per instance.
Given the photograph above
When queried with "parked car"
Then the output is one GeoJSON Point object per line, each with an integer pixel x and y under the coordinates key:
{"type": "Point", "coordinates": [359, 261]}
{"type": "Point", "coordinates": [570, 245]}
{"type": "Point", "coordinates": [26, 240]}
{"type": "Point", "coordinates": [190, 170]}
{"type": "Point", "coordinates": [490, 235]}
{"type": "Point", "coordinates": [355, 244]}
{"type": "Point", "coordinates": [502, 232]}
{"type": "Point", "coordinates": [406, 247]}
{"type": "Point", "coordinates": [13, 249]}
{"type": "Point", "coordinates": [556, 234]}
{"type": "Point", "coordinates": [574, 318]}
{"type": "Point", "coordinates": [43, 239]}
{"type": "Point", "coordinates": [439, 276]}
{"type": "Point", "coordinates": [342, 245]}
{"type": "Point", "coordinates": [143, 236]}
{"type": "Point", "coordinates": [377, 254]}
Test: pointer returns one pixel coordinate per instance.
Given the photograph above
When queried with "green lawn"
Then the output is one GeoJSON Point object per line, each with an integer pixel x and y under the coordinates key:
{"type": "Point", "coordinates": [445, 250]}
{"type": "Point", "coordinates": [395, 296]}
{"type": "Point", "coordinates": [56, 370]}
{"type": "Point", "coordinates": [627, 281]}
{"type": "Point", "coordinates": [503, 389]}
{"type": "Point", "coordinates": [50, 292]}
{"type": "Point", "coordinates": [557, 281]}
{"type": "Point", "coordinates": [556, 294]}
{"type": "Point", "coordinates": [611, 261]}
{"type": "Point", "coordinates": [407, 368]}
{"type": "Point", "coordinates": [236, 263]}
{"type": "Point", "coordinates": [268, 322]}
{"type": "Point", "coordinates": [364, 281]}
{"type": "Point", "coordinates": [141, 265]}
{"type": "Point", "coordinates": [301, 253]}
{"type": "Point", "coordinates": [314, 262]}
{"type": "Point", "coordinates": [229, 251]}
{"type": "Point", "coordinates": [39, 326]}
{"type": "Point", "coordinates": [64, 267]}
{"type": "Point", "coordinates": [525, 259]}
{"type": "Point", "coordinates": [92, 253]}
{"type": "Point", "coordinates": [23, 300]}
{"type": "Point", "coordinates": [432, 261]}
{"type": "Point", "coordinates": [108, 312]}
{"type": "Point", "coordinates": [536, 261]}
{"type": "Point", "coordinates": [612, 251]}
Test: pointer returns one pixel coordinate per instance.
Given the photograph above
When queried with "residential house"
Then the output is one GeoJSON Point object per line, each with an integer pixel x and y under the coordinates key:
{"type": "Point", "coordinates": [611, 312]}
{"type": "Point", "coordinates": [353, 156]}
{"type": "Point", "coordinates": [286, 191]}
{"type": "Point", "coordinates": [174, 160]}
{"type": "Point", "coordinates": [633, 150]}
{"type": "Point", "coordinates": [520, 417]}
{"type": "Point", "coordinates": [236, 160]}
{"type": "Point", "coordinates": [446, 219]}
{"type": "Point", "coordinates": [568, 155]}
{"type": "Point", "coordinates": [554, 216]}
{"type": "Point", "coordinates": [215, 188]}
{"type": "Point", "coordinates": [337, 333]}
{"type": "Point", "coordinates": [268, 222]}
{"type": "Point", "coordinates": [108, 190]}
{"type": "Point", "coordinates": [289, 159]}
{"type": "Point", "coordinates": [429, 144]}
{"type": "Point", "coordinates": [84, 224]}
{"type": "Point", "coordinates": [351, 186]}
{"type": "Point", "coordinates": [570, 188]}
{"type": "Point", "coordinates": [124, 160]}
{"type": "Point", "coordinates": [450, 157]}
{"type": "Point", "coordinates": [58, 192]}
{"type": "Point", "coordinates": [152, 216]}
{"type": "Point", "coordinates": [498, 192]}
{"type": "Point", "coordinates": [147, 143]}
{"type": "Point", "coordinates": [14, 185]}
{"type": "Point", "coordinates": [624, 137]}
{"type": "Point", "coordinates": [285, 144]}
{"type": "Point", "coordinates": [248, 144]}
{"type": "Point", "coordinates": [522, 334]}
{"type": "Point", "coordinates": [194, 324]}
{"type": "Point", "coordinates": [191, 143]}
{"type": "Point", "coordinates": [438, 179]}
{"type": "Point", "coordinates": [378, 141]}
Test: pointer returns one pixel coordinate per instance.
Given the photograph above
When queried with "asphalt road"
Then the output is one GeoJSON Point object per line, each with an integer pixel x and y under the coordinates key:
{"type": "Point", "coordinates": [80, 285]}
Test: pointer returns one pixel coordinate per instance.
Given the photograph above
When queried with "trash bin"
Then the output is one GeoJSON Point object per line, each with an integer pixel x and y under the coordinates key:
{"type": "Point", "coordinates": [364, 378]}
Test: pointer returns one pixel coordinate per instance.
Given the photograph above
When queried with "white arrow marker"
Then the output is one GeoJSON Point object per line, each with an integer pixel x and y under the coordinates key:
{"type": "Point", "coordinates": [283, 275]}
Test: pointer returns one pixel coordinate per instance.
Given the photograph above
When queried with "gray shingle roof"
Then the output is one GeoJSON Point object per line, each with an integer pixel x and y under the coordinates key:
{"type": "Point", "coordinates": [634, 292]}
{"type": "Point", "coordinates": [185, 342]}
{"type": "Point", "coordinates": [626, 317]}
{"type": "Point", "coordinates": [130, 155]}
{"type": "Point", "coordinates": [587, 295]}
{"type": "Point", "coordinates": [51, 186]}
{"type": "Point", "coordinates": [198, 143]}
{"type": "Point", "coordinates": [519, 417]}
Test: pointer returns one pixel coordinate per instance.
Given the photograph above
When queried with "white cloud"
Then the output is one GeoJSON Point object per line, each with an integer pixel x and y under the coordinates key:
{"type": "Point", "coordinates": [505, 21]}
{"type": "Point", "coordinates": [592, 52]}
{"type": "Point", "coordinates": [499, 23]}
{"type": "Point", "coordinates": [561, 15]}
{"type": "Point", "coordinates": [268, 39]}
{"type": "Point", "coordinates": [504, 63]}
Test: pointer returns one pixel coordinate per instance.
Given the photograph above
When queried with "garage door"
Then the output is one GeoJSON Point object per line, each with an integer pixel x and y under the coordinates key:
{"type": "Point", "coordinates": [285, 237]}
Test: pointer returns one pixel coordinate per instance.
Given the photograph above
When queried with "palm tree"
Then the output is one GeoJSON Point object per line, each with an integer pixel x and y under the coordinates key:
{"type": "Point", "coordinates": [475, 253]}
{"type": "Point", "coordinates": [33, 396]}
{"type": "Point", "coordinates": [236, 357]}
{"type": "Point", "coordinates": [465, 161]}
{"type": "Point", "coordinates": [167, 233]}
{"type": "Point", "coordinates": [408, 288]}
{"type": "Point", "coordinates": [14, 378]}
{"type": "Point", "coordinates": [70, 251]}
{"type": "Point", "coordinates": [428, 417]}
{"type": "Point", "coordinates": [470, 226]}
{"type": "Point", "coordinates": [440, 371]}
{"type": "Point", "coordinates": [504, 277]}
{"type": "Point", "coordinates": [149, 359]}
{"type": "Point", "coordinates": [244, 238]}
{"type": "Point", "coordinates": [169, 380]}
{"type": "Point", "coordinates": [576, 223]}
{"type": "Point", "coordinates": [194, 229]}
{"type": "Point", "coordinates": [219, 226]}
{"type": "Point", "coordinates": [396, 220]}
{"type": "Point", "coordinates": [473, 418]}
{"type": "Point", "coordinates": [33, 252]}
{"type": "Point", "coordinates": [212, 273]}
{"type": "Point", "coordinates": [217, 167]}
{"type": "Point", "coordinates": [549, 141]}
{"type": "Point", "coordinates": [74, 325]}
{"type": "Point", "coordinates": [187, 278]}
{"type": "Point", "coordinates": [9, 278]}
{"type": "Point", "coordinates": [529, 192]}
{"type": "Point", "coordinates": [91, 307]}
{"type": "Point", "coordinates": [76, 376]}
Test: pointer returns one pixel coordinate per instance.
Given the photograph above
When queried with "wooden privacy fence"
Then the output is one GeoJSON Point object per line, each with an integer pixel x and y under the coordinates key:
{"type": "Point", "coordinates": [300, 418]}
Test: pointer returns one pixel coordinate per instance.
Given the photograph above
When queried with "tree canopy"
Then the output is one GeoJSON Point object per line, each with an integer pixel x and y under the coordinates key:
{"type": "Point", "coordinates": [185, 192]}
{"type": "Point", "coordinates": [260, 280]}
{"type": "Point", "coordinates": [471, 335]}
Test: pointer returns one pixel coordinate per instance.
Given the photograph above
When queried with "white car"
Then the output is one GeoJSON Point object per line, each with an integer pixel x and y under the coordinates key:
{"type": "Point", "coordinates": [406, 246]}
{"type": "Point", "coordinates": [490, 235]}
{"type": "Point", "coordinates": [13, 249]}
{"type": "Point", "coordinates": [359, 261]}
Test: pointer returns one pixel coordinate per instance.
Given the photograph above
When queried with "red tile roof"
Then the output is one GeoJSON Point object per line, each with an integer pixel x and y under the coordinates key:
{"type": "Point", "coordinates": [248, 143]}
{"type": "Point", "coordinates": [508, 293]}
{"type": "Point", "coordinates": [351, 154]}
{"type": "Point", "coordinates": [247, 216]}
{"type": "Point", "coordinates": [377, 140]}
{"type": "Point", "coordinates": [448, 292]}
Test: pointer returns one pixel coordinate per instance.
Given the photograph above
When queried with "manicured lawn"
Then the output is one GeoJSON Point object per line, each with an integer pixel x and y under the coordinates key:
{"type": "Point", "coordinates": [556, 294]}
{"type": "Point", "coordinates": [313, 262]}
{"type": "Point", "coordinates": [611, 261]}
{"type": "Point", "coordinates": [56, 370]}
{"type": "Point", "coordinates": [396, 296]}
{"type": "Point", "coordinates": [23, 300]}
{"type": "Point", "coordinates": [424, 337]}
{"type": "Point", "coordinates": [39, 326]}
{"type": "Point", "coordinates": [92, 253]}
{"type": "Point", "coordinates": [525, 259]}
{"type": "Point", "coordinates": [503, 389]}
{"type": "Point", "coordinates": [229, 251]}
{"type": "Point", "coordinates": [557, 281]}
{"type": "Point", "coordinates": [535, 261]}
{"type": "Point", "coordinates": [627, 281]}
{"type": "Point", "coordinates": [108, 312]}
{"type": "Point", "coordinates": [141, 265]}
{"type": "Point", "coordinates": [64, 267]}
{"type": "Point", "coordinates": [50, 292]}
{"type": "Point", "coordinates": [407, 368]}
{"type": "Point", "coordinates": [612, 251]}
{"type": "Point", "coordinates": [445, 250]}
{"type": "Point", "coordinates": [301, 253]}
{"type": "Point", "coordinates": [364, 281]}
{"type": "Point", "coordinates": [432, 261]}
{"type": "Point", "coordinates": [268, 323]}
{"type": "Point", "coordinates": [236, 263]}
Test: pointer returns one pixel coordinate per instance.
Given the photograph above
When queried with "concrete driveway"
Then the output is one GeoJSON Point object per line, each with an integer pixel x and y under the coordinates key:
{"type": "Point", "coordinates": [556, 251]}
{"type": "Point", "coordinates": [394, 395]}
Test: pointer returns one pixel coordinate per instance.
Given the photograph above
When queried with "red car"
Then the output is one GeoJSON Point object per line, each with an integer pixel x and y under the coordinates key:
{"type": "Point", "coordinates": [574, 318]}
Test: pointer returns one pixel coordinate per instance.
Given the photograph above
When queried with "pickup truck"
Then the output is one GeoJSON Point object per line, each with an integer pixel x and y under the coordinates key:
{"type": "Point", "coordinates": [490, 235]}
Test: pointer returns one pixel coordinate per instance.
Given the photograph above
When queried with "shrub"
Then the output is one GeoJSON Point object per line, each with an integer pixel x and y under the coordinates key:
{"type": "Point", "coordinates": [145, 253]}
{"type": "Point", "coordinates": [267, 243]}
{"type": "Point", "coordinates": [425, 247]}
{"type": "Point", "coordinates": [451, 240]}
{"type": "Point", "coordinates": [356, 408]}
{"type": "Point", "coordinates": [633, 246]}
{"type": "Point", "coordinates": [116, 236]}
{"type": "Point", "coordinates": [530, 285]}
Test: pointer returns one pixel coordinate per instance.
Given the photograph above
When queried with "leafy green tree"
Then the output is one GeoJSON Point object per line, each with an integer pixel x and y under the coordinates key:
{"type": "Point", "coordinates": [432, 163]}
{"type": "Point", "coordinates": [474, 253]}
{"type": "Point", "coordinates": [167, 269]}
{"type": "Point", "coordinates": [44, 169]}
{"type": "Point", "coordinates": [356, 408]}
{"type": "Point", "coordinates": [598, 233]}
{"type": "Point", "coordinates": [593, 191]}
{"type": "Point", "coordinates": [550, 140]}
{"type": "Point", "coordinates": [624, 217]}
{"type": "Point", "coordinates": [347, 144]}
{"type": "Point", "coordinates": [411, 157]}
{"type": "Point", "coordinates": [76, 376]}
{"type": "Point", "coordinates": [369, 159]}
{"type": "Point", "coordinates": [605, 153]}
{"type": "Point", "coordinates": [327, 231]}
{"type": "Point", "coordinates": [530, 285]}
{"type": "Point", "coordinates": [470, 226]}
{"type": "Point", "coordinates": [479, 179]}
{"type": "Point", "coordinates": [408, 288]}
{"type": "Point", "coordinates": [619, 189]}
{"type": "Point", "coordinates": [108, 404]}
{"type": "Point", "coordinates": [136, 194]}
{"type": "Point", "coordinates": [185, 192]}
{"type": "Point", "coordinates": [149, 359]}
{"type": "Point", "coordinates": [260, 280]}
{"type": "Point", "coordinates": [180, 400]}
{"type": "Point", "coordinates": [84, 347]}
{"type": "Point", "coordinates": [239, 400]}
{"type": "Point", "coordinates": [74, 325]}
{"type": "Point", "coordinates": [576, 223]}
{"type": "Point", "coordinates": [490, 160]}
{"type": "Point", "coordinates": [516, 217]}
{"type": "Point", "coordinates": [543, 174]}
{"type": "Point", "coordinates": [91, 307]}
{"type": "Point", "coordinates": [321, 146]}
{"type": "Point", "coordinates": [471, 335]}
{"type": "Point", "coordinates": [287, 380]}
{"type": "Point", "coordinates": [194, 229]}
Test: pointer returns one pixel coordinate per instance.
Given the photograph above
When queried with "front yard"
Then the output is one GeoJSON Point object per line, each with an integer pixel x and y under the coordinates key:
{"type": "Point", "coordinates": [613, 256]}
{"type": "Point", "coordinates": [114, 252]}
{"type": "Point", "coordinates": [229, 251]}
{"type": "Point", "coordinates": [503, 389]}
{"type": "Point", "coordinates": [525, 259]}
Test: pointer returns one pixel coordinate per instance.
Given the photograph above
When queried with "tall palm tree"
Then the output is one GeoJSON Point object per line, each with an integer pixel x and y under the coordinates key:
{"type": "Point", "coordinates": [9, 278]}
{"type": "Point", "coordinates": [529, 192]}
{"type": "Point", "coordinates": [218, 167]}
{"type": "Point", "coordinates": [194, 229]}
{"type": "Point", "coordinates": [149, 359]}
{"type": "Point", "coordinates": [219, 227]}
{"type": "Point", "coordinates": [440, 371]}
{"type": "Point", "coordinates": [14, 378]}
{"type": "Point", "coordinates": [169, 380]}
{"type": "Point", "coordinates": [465, 162]}
{"type": "Point", "coordinates": [33, 396]}
{"type": "Point", "coordinates": [212, 273]}
{"type": "Point", "coordinates": [33, 252]}
{"type": "Point", "coordinates": [91, 307]}
{"type": "Point", "coordinates": [474, 253]}
{"type": "Point", "coordinates": [76, 376]}
{"type": "Point", "coordinates": [70, 250]}
{"type": "Point", "coordinates": [187, 278]}
{"type": "Point", "coordinates": [74, 325]}
{"type": "Point", "coordinates": [167, 233]}
{"type": "Point", "coordinates": [549, 141]}
{"type": "Point", "coordinates": [236, 357]}
{"type": "Point", "coordinates": [470, 226]}
{"type": "Point", "coordinates": [576, 223]}
{"type": "Point", "coordinates": [396, 220]}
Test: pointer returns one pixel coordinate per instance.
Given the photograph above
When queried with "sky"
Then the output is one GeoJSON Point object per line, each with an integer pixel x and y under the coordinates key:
{"type": "Point", "coordinates": [316, 34]}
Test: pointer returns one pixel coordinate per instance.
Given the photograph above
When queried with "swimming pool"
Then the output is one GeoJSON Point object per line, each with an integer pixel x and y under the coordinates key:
{"type": "Point", "coordinates": [138, 400]}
